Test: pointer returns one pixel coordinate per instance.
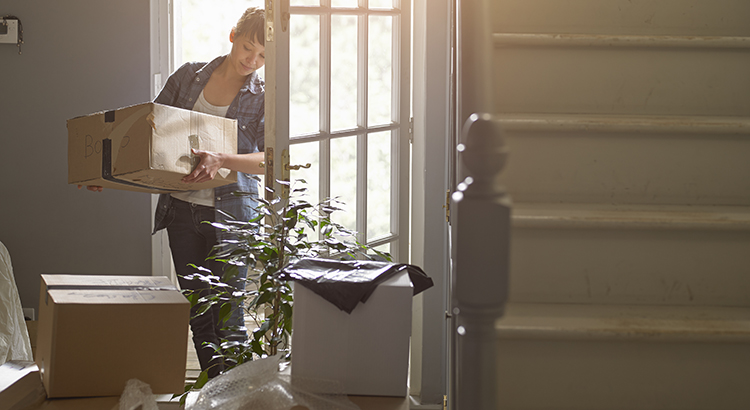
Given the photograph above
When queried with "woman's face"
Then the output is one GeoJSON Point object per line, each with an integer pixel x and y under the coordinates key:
{"type": "Point", "coordinates": [246, 55]}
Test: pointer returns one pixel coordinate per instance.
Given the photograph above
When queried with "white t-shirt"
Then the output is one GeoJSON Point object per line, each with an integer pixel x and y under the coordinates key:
{"type": "Point", "coordinates": [203, 196]}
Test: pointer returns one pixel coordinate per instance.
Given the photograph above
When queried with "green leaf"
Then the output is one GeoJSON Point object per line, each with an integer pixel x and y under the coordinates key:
{"type": "Point", "coordinates": [257, 347]}
{"type": "Point", "coordinates": [264, 298]}
{"type": "Point", "coordinates": [193, 298]}
{"type": "Point", "coordinates": [286, 310]}
{"type": "Point", "coordinates": [202, 380]}
{"type": "Point", "coordinates": [202, 309]}
{"type": "Point", "coordinates": [225, 312]}
{"type": "Point", "coordinates": [263, 327]}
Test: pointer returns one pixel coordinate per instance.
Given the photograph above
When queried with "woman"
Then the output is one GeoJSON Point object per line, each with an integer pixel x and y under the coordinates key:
{"type": "Point", "coordinates": [229, 87]}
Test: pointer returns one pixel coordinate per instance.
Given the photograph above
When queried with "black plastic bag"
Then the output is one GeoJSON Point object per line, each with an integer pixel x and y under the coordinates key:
{"type": "Point", "coordinates": [346, 283]}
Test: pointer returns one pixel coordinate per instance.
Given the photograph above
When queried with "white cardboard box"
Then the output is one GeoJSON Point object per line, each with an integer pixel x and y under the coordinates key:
{"type": "Point", "coordinates": [367, 350]}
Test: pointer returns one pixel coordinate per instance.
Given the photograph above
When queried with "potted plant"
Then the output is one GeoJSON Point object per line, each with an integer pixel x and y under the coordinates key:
{"type": "Point", "coordinates": [285, 230]}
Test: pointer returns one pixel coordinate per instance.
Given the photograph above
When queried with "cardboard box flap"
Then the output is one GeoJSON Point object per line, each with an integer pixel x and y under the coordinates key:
{"type": "Point", "coordinates": [108, 296]}
{"type": "Point", "coordinates": [103, 289]}
{"type": "Point", "coordinates": [171, 150]}
{"type": "Point", "coordinates": [72, 281]}
{"type": "Point", "coordinates": [20, 385]}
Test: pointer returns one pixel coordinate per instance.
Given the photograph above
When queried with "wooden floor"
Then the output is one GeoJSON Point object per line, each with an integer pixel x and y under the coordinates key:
{"type": "Point", "coordinates": [193, 367]}
{"type": "Point", "coordinates": [193, 370]}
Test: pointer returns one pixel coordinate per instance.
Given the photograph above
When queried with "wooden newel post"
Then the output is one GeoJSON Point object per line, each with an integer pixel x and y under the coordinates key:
{"type": "Point", "coordinates": [481, 244]}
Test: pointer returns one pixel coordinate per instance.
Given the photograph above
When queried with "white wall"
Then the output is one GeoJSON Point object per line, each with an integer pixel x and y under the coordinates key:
{"type": "Point", "coordinates": [79, 56]}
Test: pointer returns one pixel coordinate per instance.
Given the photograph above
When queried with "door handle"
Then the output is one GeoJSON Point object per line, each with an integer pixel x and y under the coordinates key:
{"type": "Point", "coordinates": [296, 167]}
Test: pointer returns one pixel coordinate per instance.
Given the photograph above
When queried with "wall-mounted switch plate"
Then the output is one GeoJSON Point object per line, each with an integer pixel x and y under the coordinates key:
{"type": "Point", "coordinates": [29, 313]}
{"type": "Point", "coordinates": [9, 31]}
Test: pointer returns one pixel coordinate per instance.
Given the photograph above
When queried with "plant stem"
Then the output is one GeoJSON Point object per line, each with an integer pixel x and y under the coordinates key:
{"type": "Point", "coordinates": [277, 297]}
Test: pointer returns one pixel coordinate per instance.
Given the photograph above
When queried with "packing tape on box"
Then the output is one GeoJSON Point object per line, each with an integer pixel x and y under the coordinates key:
{"type": "Point", "coordinates": [109, 156]}
{"type": "Point", "coordinates": [120, 131]}
{"type": "Point", "coordinates": [107, 169]}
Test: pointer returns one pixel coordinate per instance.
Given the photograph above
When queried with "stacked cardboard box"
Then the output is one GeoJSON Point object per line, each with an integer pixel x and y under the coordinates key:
{"type": "Point", "coordinates": [97, 332]}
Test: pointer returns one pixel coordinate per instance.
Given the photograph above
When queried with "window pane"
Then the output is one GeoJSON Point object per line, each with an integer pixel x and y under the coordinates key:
{"type": "Point", "coordinates": [301, 154]}
{"type": "Point", "coordinates": [386, 247]}
{"type": "Point", "coordinates": [343, 3]}
{"type": "Point", "coordinates": [305, 3]}
{"type": "Point", "coordinates": [378, 185]}
{"type": "Point", "coordinates": [381, 4]}
{"type": "Point", "coordinates": [304, 75]}
{"type": "Point", "coordinates": [379, 70]}
{"type": "Point", "coordinates": [344, 179]}
{"type": "Point", "coordinates": [205, 28]}
{"type": "Point", "coordinates": [343, 72]}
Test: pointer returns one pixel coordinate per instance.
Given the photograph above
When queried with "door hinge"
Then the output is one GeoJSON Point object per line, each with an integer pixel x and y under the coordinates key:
{"type": "Point", "coordinates": [411, 130]}
{"type": "Point", "coordinates": [268, 165]}
{"type": "Point", "coordinates": [447, 206]}
{"type": "Point", "coordinates": [269, 20]}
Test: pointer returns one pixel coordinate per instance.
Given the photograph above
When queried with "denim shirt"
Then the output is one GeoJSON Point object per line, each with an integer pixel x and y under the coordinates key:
{"type": "Point", "coordinates": [182, 90]}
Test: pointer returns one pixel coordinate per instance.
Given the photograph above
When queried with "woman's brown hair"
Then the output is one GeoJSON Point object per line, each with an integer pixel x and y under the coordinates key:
{"type": "Point", "coordinates": [252, 24]}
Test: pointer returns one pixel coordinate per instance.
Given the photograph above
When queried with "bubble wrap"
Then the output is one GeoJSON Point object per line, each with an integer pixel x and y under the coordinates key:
{"type": "Point", "coordinates": [261, 385]}
{"type": "Point", "coordinates": [14, 337]}
{"type": "Point", "coordinates": [136, 396]}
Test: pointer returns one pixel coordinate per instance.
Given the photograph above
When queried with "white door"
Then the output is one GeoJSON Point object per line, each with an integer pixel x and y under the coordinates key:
{"type": "Point", "coordinates": [337, 98]}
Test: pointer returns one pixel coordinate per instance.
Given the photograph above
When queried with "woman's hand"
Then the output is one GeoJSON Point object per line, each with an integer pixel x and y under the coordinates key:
{"type": "Point", "coordinates": [207, 168]}
{"type": "Point", "coordinates": [92, 188]}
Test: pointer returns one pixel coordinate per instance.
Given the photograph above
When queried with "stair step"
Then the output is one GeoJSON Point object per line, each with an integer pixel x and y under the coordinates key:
{"type": "Point", "coordinates": [624, 80]}
{"type": "Point", "coordinates": [599, 40]}
{"type": "Point", "coordinates": [630, 255]}
{"type": "Point", "coordinates": [657, 18]}
{"type": "Point", "coordinates": [623, 357]}
{"type": "Point", "coordinates": [625, 322]}
{"type": "Point", "coordinates": [627, 159]}
{"type": "Point", "coordinates": [649, 124]}
{"type": "Point", "coordinates": [604, 216]}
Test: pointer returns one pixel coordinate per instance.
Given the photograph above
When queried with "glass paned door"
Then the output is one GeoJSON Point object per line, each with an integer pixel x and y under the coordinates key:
{"type": "Point", "coordinates": [343, 65]}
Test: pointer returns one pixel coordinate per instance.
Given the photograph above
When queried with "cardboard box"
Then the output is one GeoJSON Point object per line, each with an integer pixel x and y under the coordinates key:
{"type": "Point", "coordinates": [146, 148]}
{"type": "Point", "coordinates": [367, 351]}
{"type": "Point", "coordinates": [97, 332]}
{"type": "Point", "coordinates": [20, 385]}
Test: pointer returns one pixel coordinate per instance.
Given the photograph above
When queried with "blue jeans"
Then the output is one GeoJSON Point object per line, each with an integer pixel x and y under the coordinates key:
{"type": "Point", "coordinates": [191, 241]}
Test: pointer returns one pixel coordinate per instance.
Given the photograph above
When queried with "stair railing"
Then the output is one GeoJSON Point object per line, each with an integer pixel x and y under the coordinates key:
{"type": "Point", "coordinates": [480, 219]}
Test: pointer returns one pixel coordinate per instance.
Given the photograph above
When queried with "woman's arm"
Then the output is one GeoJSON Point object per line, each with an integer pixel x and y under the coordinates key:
{"type": "Point", "coordinates": [212, 161]}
